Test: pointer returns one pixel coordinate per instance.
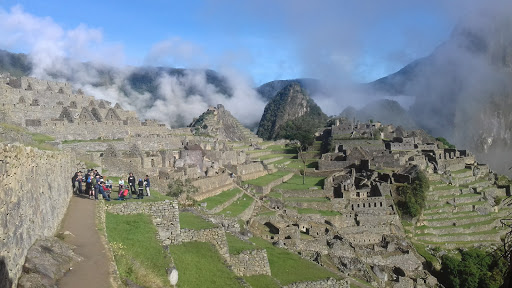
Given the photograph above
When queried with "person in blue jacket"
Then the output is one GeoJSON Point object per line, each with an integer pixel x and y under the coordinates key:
{"type": "Point", "coordinates": [147, 184]}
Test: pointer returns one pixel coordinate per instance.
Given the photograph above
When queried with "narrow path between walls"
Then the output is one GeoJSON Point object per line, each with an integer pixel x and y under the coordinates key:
{"type": "Point", "coordinates": [93, 271]}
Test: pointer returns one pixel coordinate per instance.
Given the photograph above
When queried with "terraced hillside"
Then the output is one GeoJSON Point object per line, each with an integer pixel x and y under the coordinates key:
{"type": "Point", "coordinates": [462, 214]}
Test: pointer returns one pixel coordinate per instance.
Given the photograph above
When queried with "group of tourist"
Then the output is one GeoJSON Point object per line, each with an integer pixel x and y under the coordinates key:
{"type": "Point", "coordinates": [96, 184]}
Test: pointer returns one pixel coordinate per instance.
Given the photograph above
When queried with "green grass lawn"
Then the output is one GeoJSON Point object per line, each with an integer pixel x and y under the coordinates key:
{"type": "Point", "coordinates": [221, 198]}
{"type": "Point", "coordinates": [298, 164]}
{"type": "Point", "coordinates": [200, 265]}
{"type": "Point", "coordinates": [420, 248]}
{"type": "Point", "coordinates": [155, 197]}
{"type": "Point", "coordinates": [271, 156]}
{"type": "Point", "coordinates": [266, 179]}
{"type": "Point", "coordinates": [262, 281]}
{"type": "Point", "coordinates": [138, 254]}
{"type": "Point", "coordinates": [444, 187]}
{"type": "Point", "coordinates": [92, 140]}
{"type": "Point", "coordinates": [321, 212]}
{"type": "Point", "coordinates": [295, 183]}
{"type": "Point", "coordinates": [237, 207]}
{"type": "Point", "coordinates": [306, 199]}
{"type": "Point", "coordinates": [194, 222]}
{"type": "Point", "coordinates": [236, 245]}
{"type": "Point", "coordinates": [282, 148]}
{"type": "Point", "coordinates": [288, 267]}
{"type": "Point", "coordinates": [461, 171]}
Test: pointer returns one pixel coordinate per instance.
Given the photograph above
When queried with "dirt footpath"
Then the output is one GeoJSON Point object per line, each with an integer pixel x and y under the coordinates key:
{"type": "Point", "coordinates": [93, 271]}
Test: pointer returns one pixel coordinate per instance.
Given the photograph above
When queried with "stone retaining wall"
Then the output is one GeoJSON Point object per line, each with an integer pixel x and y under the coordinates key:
{"type": "Point", "coordinates": [212, 186]}
{"type": "Point", "coordinates": [216, 236]}
{"type": "Point", "coordinates": [266, 189]}
{"type": "Point", "coordinates": [251, 262]}
{"type": "Point", "coordinates": [35, 189]}
{"type": "Point", "coordinates": [326, 283]}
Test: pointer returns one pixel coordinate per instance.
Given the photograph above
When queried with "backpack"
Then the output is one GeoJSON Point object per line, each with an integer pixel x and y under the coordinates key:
{"type": "Point", "coordinates": [88, 179]}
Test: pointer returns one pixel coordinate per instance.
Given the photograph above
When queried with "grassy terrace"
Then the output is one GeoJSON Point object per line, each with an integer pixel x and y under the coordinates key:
{"type": "Point", "coordinates": [478, 181]}
{"type": "Point", "coordinates": [138, 254]}
{"type": "Point", "coordinates": [420, 248]}
{"type": "Point", "coordinates": [297, 163]}
{"type": "Point", "coordinates": [38, 140]}
{"type": "Point", "coordinates": [262, 281]}
{"type": "Point", "coordinates": [288, 267]}
{"type": "Point", "coordinates": [444, 187]}
{"type": "Point", "coordinates": [236, 246]}
{"type": "Point", "coordinates": [214, 201]}
{"type": "Point", "coordinates": [458, 217]}
{"type": "Point", "coordinates": [236, 208]}
{"type": "Point", "coordinates": [155, 197]}
{"type": "Point", "coordinates": [486, 232]}
{"type": "Point", "coordinates": [282, 148]}
{"type": "Point", "coordinates": [321, 212]}
{"type": "Point", "coordinates": [265, 180]}
{"type": "Point", "coordinates": [92, 140]}
{"type": "Point", "coordinates": [449, 213]}
{"type": "Point", "coordinates": [461, 171]}
{"type": "Point", "coordinates": [306, 199]}
{"type": "Point", "coordinates": [271, 156]}
{"type": "Point", "coordinates": [194, 222]}
{"type": "Point", "coordinates": [200, 265]}
{"type": "Point", "coordinates": [295, 183]}
{"type": "Point", "coordinates": [469, 225]}
{"type": "Point", "coordinates": [437, 183]}
{"type": "Point", "coordinates": [460, 196]}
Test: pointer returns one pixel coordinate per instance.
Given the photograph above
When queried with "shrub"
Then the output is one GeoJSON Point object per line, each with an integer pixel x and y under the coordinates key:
{"type": "Point", "coordinates": [413, 196]}
{"type": "Point", "coordinates": [178, 187]}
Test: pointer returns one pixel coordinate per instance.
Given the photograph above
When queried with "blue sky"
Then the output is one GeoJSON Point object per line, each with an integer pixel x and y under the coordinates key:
{"type": "Point", "coordinates": [266, 40]}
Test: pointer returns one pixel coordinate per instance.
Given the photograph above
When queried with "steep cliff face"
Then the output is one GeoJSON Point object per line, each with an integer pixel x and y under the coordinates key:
{"type": "Point", "coordinates": [290, 103]}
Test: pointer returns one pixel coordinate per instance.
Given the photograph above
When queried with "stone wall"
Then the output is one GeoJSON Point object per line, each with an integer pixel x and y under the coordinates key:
{"type": "Point", "coordinates": [326, 283]}
{"type": "Point", "coordinates": [266, 189]}
{"type": "Point", "coordinates": [211, 186]}
{"type": "Point", "coordinates": [35, 192]}
{"type": "Point", "coordinates": [326, 165]}
{"type": "Point", "coordinates": [250, 171]}
{"type": "Point", "coordinates": [253, 262]}
{"type": "Point", "coordinates": [216, 236]}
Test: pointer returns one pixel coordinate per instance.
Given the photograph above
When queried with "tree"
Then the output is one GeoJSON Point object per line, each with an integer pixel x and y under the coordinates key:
{"type": "Point", "coordinates": [302, 131]}
{"type": "Point", "coordinates": [413, 196]}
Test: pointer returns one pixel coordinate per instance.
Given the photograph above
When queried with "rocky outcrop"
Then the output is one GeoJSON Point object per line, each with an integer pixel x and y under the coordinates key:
{"type": "Point", "coordinates": [46, 262]}
{"type": "Point", "coordinates": [290, 103]}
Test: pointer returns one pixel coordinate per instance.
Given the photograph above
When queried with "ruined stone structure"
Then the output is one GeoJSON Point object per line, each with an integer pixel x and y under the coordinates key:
{"type": "Point", "coordinates": [165, 216]}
